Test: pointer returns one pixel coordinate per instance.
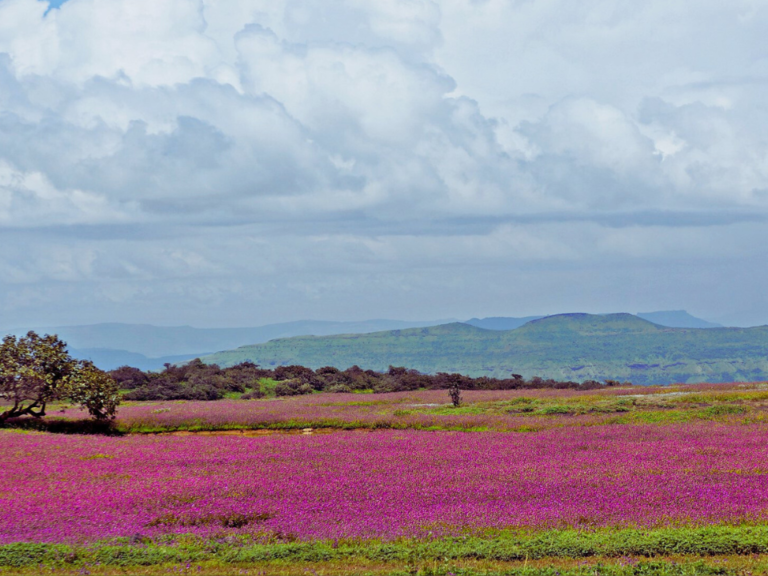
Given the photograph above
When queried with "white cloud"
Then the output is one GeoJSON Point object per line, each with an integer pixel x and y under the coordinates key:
{"type": "Point", "coordinates": [393, 137]}
{"type": "Point", "coordinates": [29, 200]}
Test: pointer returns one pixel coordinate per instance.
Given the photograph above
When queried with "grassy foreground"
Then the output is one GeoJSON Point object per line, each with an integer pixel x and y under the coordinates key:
{"type": "Point", "coordinates": [682, 566]}
{"type": "Point", "coordinates": [667, 551]}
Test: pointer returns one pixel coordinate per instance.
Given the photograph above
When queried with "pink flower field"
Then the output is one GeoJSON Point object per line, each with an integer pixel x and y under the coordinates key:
{"type": "Point", "coordinates": [379, 484]}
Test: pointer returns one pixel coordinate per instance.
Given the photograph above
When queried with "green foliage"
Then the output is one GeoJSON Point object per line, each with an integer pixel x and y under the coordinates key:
{"type": "Point", "coordinates": [193, 381]}
{"type": "Point", "coordinates": [93, 389]}
{"type": "Point", "coordinates": [724, 410]}
{"type": "Point", "coordinates": [267, 386]}
{"type": "Point", "coordinates": [37, 370]}
{"type": "Point", "coordinates": [556, 409]}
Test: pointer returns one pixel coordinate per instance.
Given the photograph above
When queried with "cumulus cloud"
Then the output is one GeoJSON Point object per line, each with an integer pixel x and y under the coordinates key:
{"type": "Point", "coordinates": [293, 157]}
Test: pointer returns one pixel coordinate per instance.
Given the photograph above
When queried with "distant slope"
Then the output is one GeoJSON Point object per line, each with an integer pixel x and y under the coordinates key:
{"type": "Point", "coordinates": [670, 318]}
{"type": "Point", "coordinates": [160, 341]}
{"type": "Point", "coordinates": [108, 359]}
{"type": "Point", "coordinates": [567, 346]}
{"type": "Point", "coordinates": [677, 319]}
{"type": "Point", "coordinates": [500, 322]}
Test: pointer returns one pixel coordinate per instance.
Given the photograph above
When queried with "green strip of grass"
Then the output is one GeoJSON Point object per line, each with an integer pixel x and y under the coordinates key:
{"type": "Point", "coordinates": [499, 547]}
{"type": "Point", "coordinates": [64, 426]}
{"type": "Point", "coordinates": [675, 566]}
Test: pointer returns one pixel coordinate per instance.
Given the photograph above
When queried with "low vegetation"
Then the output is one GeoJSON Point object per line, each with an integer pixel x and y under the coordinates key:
{"type": "Point", "coordinates": [199, 381]}
{"type": "Point", "coordinates": [705, 551]}
{"type": "Point", "coordinates": [36, 371]}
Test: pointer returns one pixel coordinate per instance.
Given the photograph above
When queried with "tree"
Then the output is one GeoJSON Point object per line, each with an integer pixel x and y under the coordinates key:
{"type": "Point", "coordinates": [455, 393]}
{"type": "Point", "coordinates": [94, 390]}
{"type": "Point", "coordinates": [36, 370]}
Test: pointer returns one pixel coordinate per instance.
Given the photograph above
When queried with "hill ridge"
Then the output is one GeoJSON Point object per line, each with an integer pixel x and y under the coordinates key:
{"type": "Point", "coordinates": [574, 346]}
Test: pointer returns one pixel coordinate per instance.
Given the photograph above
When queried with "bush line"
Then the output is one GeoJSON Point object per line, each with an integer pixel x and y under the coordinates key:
{"type": "Point", "coordinates": [199, 381]}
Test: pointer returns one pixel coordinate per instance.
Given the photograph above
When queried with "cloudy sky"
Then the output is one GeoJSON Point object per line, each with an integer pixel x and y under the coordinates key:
{"type": "Point", "coordinates": [236, 163]}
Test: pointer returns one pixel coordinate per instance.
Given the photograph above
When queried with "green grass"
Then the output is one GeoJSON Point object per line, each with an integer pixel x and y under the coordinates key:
{"type": "Point", "coordinates": [652, 408]}
{"type": "Point", "coordinates": [674, 566]}
{"type": "Point", "coordinates": [405, 556]}
{"type": "Point", "coordinates": [267, 386]}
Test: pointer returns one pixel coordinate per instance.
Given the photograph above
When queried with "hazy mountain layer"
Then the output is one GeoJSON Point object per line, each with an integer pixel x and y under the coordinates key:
{"type": "Point", "coordinates": [150, 347]}
{"type": "Point", "coordinates": [160, 341]}
{"type": "Point", "coordinates": [108, 359]}
{"type": "Point", "coordinates": [500, 322]}
{"type": "Point", "coordinates": [669, 318]}
{"type": "Point", "coordinates": [677, 319]}
{"type": "Point", "coordinates": [569, 346]}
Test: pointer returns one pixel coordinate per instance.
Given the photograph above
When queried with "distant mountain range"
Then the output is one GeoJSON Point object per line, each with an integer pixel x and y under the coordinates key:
{"type": "Point", "coordinates": [150, 347]}
{"type": "Point", "coordinates": [670, 319]}
{"type": "Point", "coordinates": [500, 322]}
{"type": "Point", "coordinates": [677, 319]}
{"type": "Point", "coordinates": [566, 347]}
{"type": "Point", "coordinates": [108, 359]}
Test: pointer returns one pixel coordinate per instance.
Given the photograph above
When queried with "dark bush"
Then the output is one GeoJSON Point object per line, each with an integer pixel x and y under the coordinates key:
{"type": "Point", "coordinates": [299, 374]}
{"type": "Point", "coordinates": [332, 377]}
{"type": "Point", "coordinates": [165, 390]}
{"type": "Point", "coordinates": [339, 389]}
{"type": "Point", "coordinates": [402, 379]}
{"type": "Point", "coordinates": [327, 370]}
{"type": "Point", "coordinates": [128, 378]}
{"type": "Point", "coordinates": [384, 386]}
{"type": "Point", "coordinates": [199, 381]}
{"type": "Point", "coordinates": [591, 385]}
{"type": "Point", "coordinates": [448, 381]}
{"type": "Point", "coordinates": [292, 388]}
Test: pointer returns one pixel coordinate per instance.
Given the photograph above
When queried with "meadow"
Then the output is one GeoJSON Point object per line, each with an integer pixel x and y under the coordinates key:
{"type": "Point", "coordinates": [668, 480]}
{"type": "Point", "coordinates": [493, 410]}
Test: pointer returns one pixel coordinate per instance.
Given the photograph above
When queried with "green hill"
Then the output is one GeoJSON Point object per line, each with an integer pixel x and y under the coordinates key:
{"type": "Point", "coordinates": [567, 347]}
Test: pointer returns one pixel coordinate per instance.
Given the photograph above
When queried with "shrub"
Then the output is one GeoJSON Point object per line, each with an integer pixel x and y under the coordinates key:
{"type": "Point", "coordinates": [724, 410]}
{"type": "Point", "coordinates": [455, 393]}
{"type": "Point", "coordinates": [199, 381]}
{"type": "Point", "coordinates": [556, 410]}
{"type": "Point", "coordinates": [292, 388]}
{"type": "Point", "coordinates": [129, 378]}
{"type": "Point", "coordinates": [162, 389]}
{"type": "Point", "coordinates": [36, 370]}
{"type": "Point", "coordinates": [339, 388]}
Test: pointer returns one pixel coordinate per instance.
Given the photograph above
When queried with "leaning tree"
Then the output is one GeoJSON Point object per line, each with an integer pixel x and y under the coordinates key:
{"type": "Point", "coordinates": [36, 370]}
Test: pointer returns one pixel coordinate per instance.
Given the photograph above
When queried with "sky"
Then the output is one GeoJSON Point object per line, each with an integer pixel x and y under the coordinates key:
{"type": "Point", "coordinates": [244, 162]}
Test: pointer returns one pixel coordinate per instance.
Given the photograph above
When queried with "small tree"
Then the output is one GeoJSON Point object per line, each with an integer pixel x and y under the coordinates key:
{"type": "Point", "coordinates": [455, 393]}
{"type": "Point", "coordinates": [36, 370]}
{"type": "Point", "coordinates": [94, 390]}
